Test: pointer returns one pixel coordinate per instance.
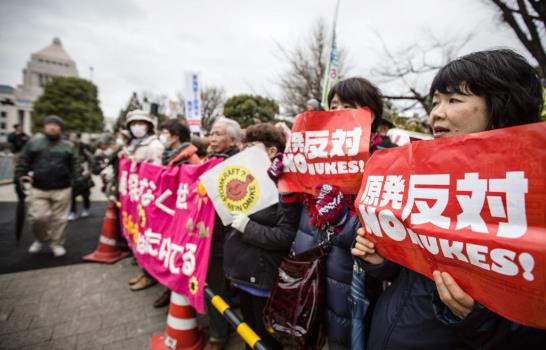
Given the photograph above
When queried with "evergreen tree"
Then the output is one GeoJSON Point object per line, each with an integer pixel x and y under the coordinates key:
{"type": "Point", "coordinates": [245, 108]}
{"type": "Point", "coordinates": [73, 99]}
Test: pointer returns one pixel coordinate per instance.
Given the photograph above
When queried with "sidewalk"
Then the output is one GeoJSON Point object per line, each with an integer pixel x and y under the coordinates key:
{"type": "Point", "coordinates": [84, 306]}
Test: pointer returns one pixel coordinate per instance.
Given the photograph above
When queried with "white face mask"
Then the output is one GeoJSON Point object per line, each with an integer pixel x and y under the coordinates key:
{"type": "Point", "coordinates": [139, 130]}
{"type": "Point", "coordinates": [164, 139]}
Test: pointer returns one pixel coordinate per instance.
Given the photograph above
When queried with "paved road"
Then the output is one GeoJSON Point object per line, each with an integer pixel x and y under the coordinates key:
{"type": "Point", "coordinates": [86, 306]}
{"type": "Point", "coordinates": [78, 306]}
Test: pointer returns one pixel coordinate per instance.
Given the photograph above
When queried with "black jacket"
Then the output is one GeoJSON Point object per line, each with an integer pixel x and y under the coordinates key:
{"type": "Point", "coordinates": [339, 272]}
{"type": "Point", "coordinates": [17, 141]}
{"type": "Point", "coordinates": [252, 258]}
{"type": "Point", "coordinates": [57, 168]}
{"type": "Point", "coordinates": [410, 315]}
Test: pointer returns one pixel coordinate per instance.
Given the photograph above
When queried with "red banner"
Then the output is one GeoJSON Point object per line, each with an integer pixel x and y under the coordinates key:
{"type": "Point", "coordinates": [472, 206]}
{"type": "Point", "coordinates": [327, 147]}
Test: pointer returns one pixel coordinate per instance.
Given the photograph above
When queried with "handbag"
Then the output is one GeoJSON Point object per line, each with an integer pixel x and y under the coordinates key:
{"type": "Point", "coordinates": [294, 313]}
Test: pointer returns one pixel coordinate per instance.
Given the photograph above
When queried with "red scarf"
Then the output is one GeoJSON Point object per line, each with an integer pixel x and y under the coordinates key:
{"type": "Point", "coordinates": [318, 221]}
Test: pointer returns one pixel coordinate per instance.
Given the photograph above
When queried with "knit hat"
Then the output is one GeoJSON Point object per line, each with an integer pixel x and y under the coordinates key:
{"type": "Point", "coordinates": [331, 205]}
{"type": "Point", "coordinates": [53, 119]}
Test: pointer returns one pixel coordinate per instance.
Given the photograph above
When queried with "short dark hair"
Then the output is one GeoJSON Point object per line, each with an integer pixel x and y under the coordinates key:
{"type": "Point", "coordinates": [359, 91]}
{"type": "Point", "coordinates": [15, 126]}
{"type": "Point", "coordinates": [176, 128]}
{"type": "Point", "coordinates": [201, 146]}
{"type": "Point", "coordinates": [266, 133]}
{"type": "Point", "coordinates": [510, 86]}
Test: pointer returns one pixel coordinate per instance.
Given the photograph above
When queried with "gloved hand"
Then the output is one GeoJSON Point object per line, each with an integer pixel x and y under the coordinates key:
{"type": "Point", "coordinates": [331, 205]}
{"type": "Point", "coordinates": [276, 169]}
{"type": "Point", "coordinates": [240, 220]}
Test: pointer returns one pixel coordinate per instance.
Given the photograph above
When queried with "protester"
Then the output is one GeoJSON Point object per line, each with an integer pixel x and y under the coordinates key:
{"type": "Point", "coordinates": [109, 171]}
{"type": "Point", "coordinates": [331, 213]}
{"type": "Point", "coordinates": [175, 136]}
{"type": "Point", "coordinates": [481, 91]}
{"type": "Point", "coordinates": [17, 140]}
{"type": "Point", "coordinates": [383, 141]}
{"type": "Point", "coordinates": [102, 154]}
{"type": "Point", "coordinates": [201, 145]}
{"type": "Point", "coordinates": [312, 105]}
{"type": "Point", "coordinates": [83, 186]}
{"type": "Point", "coordinates": [53, 165]}
{"type": "Point", "coordinates": [144, 146]}
{"type": "Point", "coordinates": [256, 244]}
{"type": "Point", "coordinates": [225, 135]}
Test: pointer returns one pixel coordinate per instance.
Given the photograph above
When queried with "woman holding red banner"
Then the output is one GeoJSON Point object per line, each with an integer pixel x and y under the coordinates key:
{"type": "Point", "coordinates": [256, 244]}
{"type": "Point", "coordinates": [331, 214]}
{"type": "Point", "coordinates": [477, 92]}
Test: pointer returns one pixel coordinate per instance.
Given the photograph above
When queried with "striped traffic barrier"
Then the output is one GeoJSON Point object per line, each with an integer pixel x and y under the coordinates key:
{"type": "Point", "coordinates": [107, 250]}
{"type": "Point", "coordinates": [248, 335]}
{"type": "Point", "coordinates": [181, 331]}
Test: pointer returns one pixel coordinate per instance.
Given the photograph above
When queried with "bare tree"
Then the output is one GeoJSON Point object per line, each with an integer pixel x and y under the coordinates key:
{"type": "Point", "coordinates": [306, 63]}
{"type": "Point", "coordinates": [212, 102]}
{"type": "Point", "coordinates": [527, 19]}
{"type": "Point", "coordinates": [411, 68]}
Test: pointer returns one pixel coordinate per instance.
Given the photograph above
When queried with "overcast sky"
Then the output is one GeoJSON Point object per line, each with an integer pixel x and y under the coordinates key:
{"type": "Point", "coordinates": [147, 45]}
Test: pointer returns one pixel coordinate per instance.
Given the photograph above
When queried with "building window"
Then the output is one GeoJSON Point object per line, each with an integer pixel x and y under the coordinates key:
{"type": "Point", "coordinates": [3, 126]}
{"type": "Point", "coordinates": [3, 113]}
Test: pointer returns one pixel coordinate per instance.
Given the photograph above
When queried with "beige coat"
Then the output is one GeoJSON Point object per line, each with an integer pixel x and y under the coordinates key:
{"type": "Point", "coordinates": [149, 150]}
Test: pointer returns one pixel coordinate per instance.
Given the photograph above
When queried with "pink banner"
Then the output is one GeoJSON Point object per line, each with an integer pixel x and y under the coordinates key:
{"type": "Point", "coordinates": [168, 220]}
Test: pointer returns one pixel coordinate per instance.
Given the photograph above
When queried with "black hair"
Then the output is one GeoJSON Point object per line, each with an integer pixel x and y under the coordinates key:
{"type": "Point", "coordinates": [266, 133]}
{"type": "Point", "coordinates": [176, 128]}
{"type": "Point", "coordinates": [361, 92]}
{"type": "Point", "coordinates": [201, 146]}
{"type": "Point", "coordinates": [510, 86]}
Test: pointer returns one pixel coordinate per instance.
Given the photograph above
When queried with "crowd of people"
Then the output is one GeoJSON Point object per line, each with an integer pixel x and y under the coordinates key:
{"type": "Point", "coordinates": [481, 91]}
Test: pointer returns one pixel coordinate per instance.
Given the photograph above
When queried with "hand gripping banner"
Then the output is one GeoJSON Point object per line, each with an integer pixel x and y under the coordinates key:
{"type": "Point", "coordinates": [327, 147]}
{"type": "Point", "coordinates": [168, 220]}
{"type": "Point", "coordinates": [473, 206]}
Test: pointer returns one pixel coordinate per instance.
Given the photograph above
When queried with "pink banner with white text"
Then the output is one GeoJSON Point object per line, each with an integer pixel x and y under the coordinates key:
{"type": "Point", "coordinates": [168, 220]}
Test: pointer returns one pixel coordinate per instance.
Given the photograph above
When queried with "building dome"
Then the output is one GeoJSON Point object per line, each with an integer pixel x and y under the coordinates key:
{"type": "Point", "coordinates": [55, 51]}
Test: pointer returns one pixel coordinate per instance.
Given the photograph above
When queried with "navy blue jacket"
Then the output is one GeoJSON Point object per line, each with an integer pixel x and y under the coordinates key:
{"type": "Point", "coordinates": [339, 269]}
{"type": "Point", "coordinates": [410, 315]}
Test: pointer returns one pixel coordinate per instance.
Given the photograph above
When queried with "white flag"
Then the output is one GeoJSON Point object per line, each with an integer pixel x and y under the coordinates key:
{"type": "Point", "coordinates": [240, 183]}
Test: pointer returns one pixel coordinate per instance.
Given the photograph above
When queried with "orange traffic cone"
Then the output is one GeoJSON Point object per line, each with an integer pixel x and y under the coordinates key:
{"type": "Point", "coordinates": [181, 331]}
{"type": "Point", "coordinates": [107, 251]}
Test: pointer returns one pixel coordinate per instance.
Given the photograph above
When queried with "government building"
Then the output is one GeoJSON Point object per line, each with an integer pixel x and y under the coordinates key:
{"type": "Point", "coordinates": [16, 103]}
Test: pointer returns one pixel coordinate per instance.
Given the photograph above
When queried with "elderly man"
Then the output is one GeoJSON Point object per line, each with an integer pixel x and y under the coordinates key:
{"type": "Point", "coordinates": [224, 138]}
{"type": "Point", "coordinates": [312, 105]}
{"type": "Point", "coordinates": [52, 163]}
